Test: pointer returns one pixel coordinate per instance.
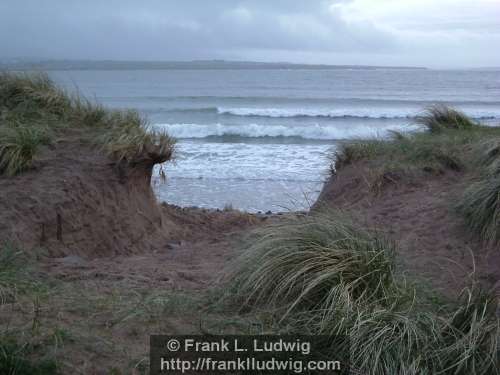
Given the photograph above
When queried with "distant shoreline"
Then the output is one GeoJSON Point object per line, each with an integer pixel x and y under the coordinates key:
{"type": "Point", "coordinates": [25, 64]}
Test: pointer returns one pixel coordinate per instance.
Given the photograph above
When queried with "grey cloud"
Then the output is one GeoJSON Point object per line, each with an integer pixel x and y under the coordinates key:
{"type": "Point", "coordinates": [176, 29]}
{"type": "Point", "coordinates": [310, 31]}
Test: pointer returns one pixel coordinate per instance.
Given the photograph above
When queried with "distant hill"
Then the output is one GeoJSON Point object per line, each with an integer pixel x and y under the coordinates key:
{"type": "Point", "coordinates": [25, 64]}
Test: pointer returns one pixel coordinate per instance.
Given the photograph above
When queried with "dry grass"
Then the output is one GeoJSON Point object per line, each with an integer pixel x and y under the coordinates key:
{"type": "Point", "coordinates": [440, 117]}
{"type": "Point", "coordinates": [480, 206]}
{"type": "Point", "coordinates": [18, 147]}
{"type": "Point", "coordinates": [448, 150]}
{"type": "Point", "coordinates": [324, 275]}
{"type": "Point", "coordinates": [489, 156]}
{"type": "Point", "coordinates": [133, 141]}
{"type": "Point", "coordinates": [470, 335]}
{"type": "Point", "coordinates": [480, 203]}
{"type": "Point", "coordinates": [313, 256]}
{"type": "Point", "coordinates": [447, 143]}
{"type": "Point", "coordinates": [34, 111]}
{"type": "Point", "coordinates": [26, 95]}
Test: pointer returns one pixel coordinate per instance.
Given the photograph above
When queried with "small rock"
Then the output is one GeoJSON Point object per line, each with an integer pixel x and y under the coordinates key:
{"type": "Point", "coordinates": [72, 260]}
{"type": "Point", "coordinates": [173, 245]}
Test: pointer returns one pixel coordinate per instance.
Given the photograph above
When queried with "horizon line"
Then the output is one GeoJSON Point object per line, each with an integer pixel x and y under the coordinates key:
{"type": "Point", "coordinates": [38, 61]}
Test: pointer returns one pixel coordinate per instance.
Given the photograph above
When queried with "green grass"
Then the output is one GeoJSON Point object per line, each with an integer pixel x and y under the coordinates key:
{"type": "Point", "coordinates": [422, 151]}
{"type": "Point", "coordinates": [470, 335]}
{"type": "Point", "coordinates": [16, 275]}
{"type": "Point", "coordinates": [15, 359]}
{"type": "Point", "coordinates": [480, 203]}
{"type": "Point", "coordinates": [480, 206]}
{"type": "Point", "coordinates": [19, 352]}
{"type": "Point", "coordinates": [130, 139]}
{"type": "Point", "coordinates": [32, 95]}
{"type": "Point", "coordinates": [489, 156]}
{"type": "Point", "coordinates": [440, 117]}
{"type": "Point", "coordinates": [18, 147]}
{"type": "Point", "coordinates": [34, 112]}
{"type": "Point", "coordinates": [324, 275]}
{"type": "Point", "coordinates": [447, 143]}
{"type": "Point", "coordinates": [300, 262]}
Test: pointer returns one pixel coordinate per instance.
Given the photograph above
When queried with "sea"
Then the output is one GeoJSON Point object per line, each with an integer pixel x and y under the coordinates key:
{"type": "Point", "coordinates": [264, 139]}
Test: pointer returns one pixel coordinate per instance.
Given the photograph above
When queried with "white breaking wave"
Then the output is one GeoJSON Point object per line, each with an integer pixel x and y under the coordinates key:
{"type": "Point", "coordinates": [374, 113]}
{"type": "Point", "coordinates": [316, 112]}
{"type": "Point", "coordinates": [313, 132]}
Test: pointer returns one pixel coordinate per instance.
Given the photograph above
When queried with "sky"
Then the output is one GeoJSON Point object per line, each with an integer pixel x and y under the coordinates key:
{"type": "Point", "coordinates": [431, 33]}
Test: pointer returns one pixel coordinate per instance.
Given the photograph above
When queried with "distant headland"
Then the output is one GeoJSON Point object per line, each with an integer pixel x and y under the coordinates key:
{"type": "Point", "coordinates": [40, 64]}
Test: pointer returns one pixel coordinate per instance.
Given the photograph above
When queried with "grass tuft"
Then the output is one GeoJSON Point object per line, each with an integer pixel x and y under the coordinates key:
{"type": "Point", "coordinates": [446, 144]}
{"type": "Point", "coordinates": [15, 359]}
{"type": "Point", "coordinates": [86, 113]}
{"type": "Point", "coordinates": [352, 152]}
{"type": "Point", "coordinates": [419, 151]}
{"type": "Point", "coordinates": [324, 275]}
{"type": "Point", "coordinates": [32, 94]}
{"type": "Point", "coordinates": [439, 117]}
{"type": "Point", "coordinates": [471, 335]}
{"type": "Point", "coordinates": [18, 147]}
{"type": "Point", "coordinates": [480, 206]}
{"type": "Point", "coordinates": [130, 139]}
{"type": "Point", "coordinates": [33, 111]}
{"type": "Point", "coordinates": [301, 261]}
{"type": "Point", "coordinates": [489, 157]}
{"type": "Point", "coordinates": [480, 203]}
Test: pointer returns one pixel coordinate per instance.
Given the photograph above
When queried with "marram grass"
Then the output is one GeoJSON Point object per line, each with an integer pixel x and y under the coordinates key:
{"type": "Point", "coordinates": [440, 117]}
{"type": "Point", "coordinates": [444, 144]}
{"type": "Point", "coordinates": [469, 335]}
{"type": "Point", "coordinates": [480, 206]}
{"type": "Point", "coordinates": [129, 138]}
{"type": "Point", "coordinates": [324, 275]}
{"type": "Point", "coordinates": [300, 261]}
{"type": "Point", "coordinates": [418, 151]}
{"type": "Point", "coordinates": [18, 147]}
{"type": "Point", "coordinates": [480, 203]}
{"type": "Point", "coordinates": [33, 94]}
{"type": "Point", "coordinates": [33, 102]}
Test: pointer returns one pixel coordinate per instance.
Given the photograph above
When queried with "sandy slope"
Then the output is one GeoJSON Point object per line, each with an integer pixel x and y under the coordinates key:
{"type": "Point", "coordinates": [418, 214]}
{"type": "Point", "coordinates": [76, 201]}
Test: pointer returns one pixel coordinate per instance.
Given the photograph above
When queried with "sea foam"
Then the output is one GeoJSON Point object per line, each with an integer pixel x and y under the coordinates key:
{"type": "Point", "coordinates": [348, 112]}
{"type": "Point", "coordinates": [317, 112]}
{"type": "Point", "coordinates": [313, 132]}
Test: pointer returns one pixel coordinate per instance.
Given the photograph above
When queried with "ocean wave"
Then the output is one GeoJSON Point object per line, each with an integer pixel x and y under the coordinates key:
{"type": "Point", "coordinates": [347, 113]}
{"type": "Point", "coordinates": [312, 132]}
{"type": "Point", "coordinates": [312, 112]}
{"type": "Point", "coordinates": [300, 112]}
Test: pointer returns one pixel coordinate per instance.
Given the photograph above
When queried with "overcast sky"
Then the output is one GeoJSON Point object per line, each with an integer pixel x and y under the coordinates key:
{"type": "Point", "coordinates": [433, 33]}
